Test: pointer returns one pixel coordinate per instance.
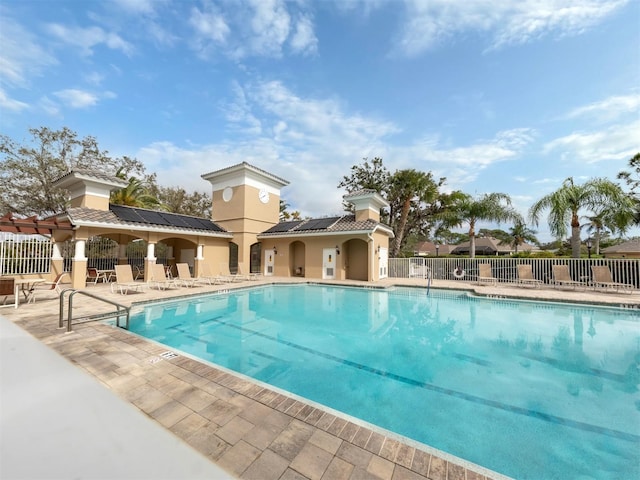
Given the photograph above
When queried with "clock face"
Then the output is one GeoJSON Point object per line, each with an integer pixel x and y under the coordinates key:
{"type": "Point", "coordinates": [263, 195]}
{"type": "Point", "coordinates": [227, 194]}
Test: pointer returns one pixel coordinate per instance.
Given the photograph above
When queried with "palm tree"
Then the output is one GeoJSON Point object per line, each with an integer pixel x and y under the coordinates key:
{"type": "Point", "coordinates": [565, 203]}
{"type": "Point", "coordinates": [493, 207]}
{"type": "Point", "coordinates": [135, 194]}
{"type": "Point", "coordinates": [406, 187]}
{"type": "Point", "coordinates": [521, 233]}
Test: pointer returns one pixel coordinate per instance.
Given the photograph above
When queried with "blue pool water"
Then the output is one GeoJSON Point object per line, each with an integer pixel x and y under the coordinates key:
{"type": "Point", "coordinates": [532, 390]}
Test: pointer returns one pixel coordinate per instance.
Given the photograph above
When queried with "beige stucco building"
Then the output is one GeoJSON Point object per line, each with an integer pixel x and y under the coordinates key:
{"type": "Point", "coordinates": [243, 234]}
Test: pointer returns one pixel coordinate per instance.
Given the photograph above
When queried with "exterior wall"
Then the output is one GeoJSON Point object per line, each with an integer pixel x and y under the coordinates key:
{"type": "Point", "coordinates": [215, 255]}
{"type": "Point", "coordinates": [357, 259]}
{"type": "Point", "coordinates": [366, 214]}
{"type": "Point", "coordinates": [91, 201]}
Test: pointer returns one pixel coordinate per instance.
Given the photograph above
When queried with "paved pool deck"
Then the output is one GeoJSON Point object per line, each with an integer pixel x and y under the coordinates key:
{"type": "Point", "coordinates": [100, 402]}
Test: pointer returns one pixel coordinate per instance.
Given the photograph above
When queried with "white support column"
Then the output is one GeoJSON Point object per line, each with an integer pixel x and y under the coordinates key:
{"type": "Point", "coordinates": [199, 252]}
{"type": "Point", "coordinates": [79, 255]}
{"type": "Point", "coordinates": [151, 252]}
{"type": "Point", "coordinates": [56, 254]}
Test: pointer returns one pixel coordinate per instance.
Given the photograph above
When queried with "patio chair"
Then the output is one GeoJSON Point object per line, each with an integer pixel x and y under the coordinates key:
{"type": "Point", "coordinates": [7, 288]}
{"type": "Point", "coordinates": [185, 278]}
{"type": "Point", "coordinates": [53, 286]}
{"type": "Point", "coordinates": [226, 274]}
{"type": "Point", "coordinates": [124, 280]}
{"type": "Point", "coordinates": [138, 272]}
{"type": "Point", "coordinates": [602, 279]}
{"type": "Point", "coordinates": [562, 277]}
{"type": "Point", "coordinates": [248, 275]}
{"type": "Point", "coordinates": [94, 275]}
{"type": "Point", "coordinates": [160, 279]}
{"type": "Point", "coordinates": [206, 275]}
{"type": "Point", "coordinates": [485, 275]}
{"type": "Point", "coordinates": [525, 276]}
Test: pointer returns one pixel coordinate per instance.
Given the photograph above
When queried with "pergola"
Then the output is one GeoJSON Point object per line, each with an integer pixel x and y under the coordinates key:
{"type": "Point", "coordinates": [32, 225]}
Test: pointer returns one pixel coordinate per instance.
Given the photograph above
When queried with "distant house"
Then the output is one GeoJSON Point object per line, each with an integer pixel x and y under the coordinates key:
{"type": "Point", "coordinates": [491, 246]}
{"type": "Point", "coordinates": [628, 249]}
{"type": "Point", "coordinates": [428, 249]}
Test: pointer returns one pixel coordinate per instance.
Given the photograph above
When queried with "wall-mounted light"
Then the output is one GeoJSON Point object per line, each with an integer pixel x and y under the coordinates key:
{"type": "Point", "coordinates": [275, 250]}
{"type": "Point", "coordinates": [378, 249]}
{"type": "Point", "coordinates": [337, 250]}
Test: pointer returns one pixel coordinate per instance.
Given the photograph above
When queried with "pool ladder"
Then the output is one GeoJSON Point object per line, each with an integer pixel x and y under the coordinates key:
{"type": "Point", "coordinates": [123, 310]}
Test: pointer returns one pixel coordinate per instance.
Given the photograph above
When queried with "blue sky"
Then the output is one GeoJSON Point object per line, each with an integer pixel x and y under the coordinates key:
{"type": "Point", "coordinates": [509, 96]}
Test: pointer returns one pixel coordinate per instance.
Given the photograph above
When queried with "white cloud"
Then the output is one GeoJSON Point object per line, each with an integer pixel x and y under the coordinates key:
{"type": "Point", "coordinates": [252, 28]}
{"type": "Point", "coordinates": [21, 57]}
{"type": "Point", "coordinates": [304, 38]}
{"type": "Point", "coordinates": [138, 6]}
{"type": "Point", "coordinates": [87, 38]}
{"type": "Point", "coordinates": [608, 109]}
{"type": "Point", "coordinates": [75, 98]}
{"type": "Point", "coordinates": [10, 104]}
{"type": "Point", "coordinates": [507, 22]}
{"type": "Point", "coordinates": [210, 28]}
{"type": "Point", "coordinates": [613, 143]}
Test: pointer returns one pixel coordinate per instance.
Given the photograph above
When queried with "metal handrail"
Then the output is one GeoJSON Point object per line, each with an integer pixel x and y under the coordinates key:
{"type": "Point", "coordinates": [72, 292]}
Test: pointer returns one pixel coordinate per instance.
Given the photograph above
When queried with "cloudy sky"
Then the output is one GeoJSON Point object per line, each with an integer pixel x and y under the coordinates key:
{"type": "Point", "coordinates": [509, 96]}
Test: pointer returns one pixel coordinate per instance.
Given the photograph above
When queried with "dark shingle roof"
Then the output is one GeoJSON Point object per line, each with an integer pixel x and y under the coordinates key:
{"type": "Point", "coordinates": [120, 215]}
{"type": "Point", "coordinates": [346, 223]}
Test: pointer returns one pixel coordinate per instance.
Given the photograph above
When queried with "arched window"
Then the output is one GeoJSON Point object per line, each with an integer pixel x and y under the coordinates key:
{"type": "Point", "coordinates": [233, 258]}
{"type": "Point", "coordinates": [255, 260]}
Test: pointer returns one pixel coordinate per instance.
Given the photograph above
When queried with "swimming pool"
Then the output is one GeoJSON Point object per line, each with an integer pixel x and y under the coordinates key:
{"type": "Point", "coordinates": [528, 389]}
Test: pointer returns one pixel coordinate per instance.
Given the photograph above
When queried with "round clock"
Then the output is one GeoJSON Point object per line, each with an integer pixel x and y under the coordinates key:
{"type": "Point", "coordinates": [227, 193]}
{"type": "Point", "coordinates": [263, 195]}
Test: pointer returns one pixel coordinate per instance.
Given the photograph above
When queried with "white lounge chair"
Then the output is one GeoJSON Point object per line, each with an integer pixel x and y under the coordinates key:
{"type": "Point", "coordinates": [602, 279]}
{"type": "Point", "coordinates": [185, 278]}
{"type": "Point", "coordinates": [525, 276]}
{"type": "Point", "coordinates": [53, 286]}
{"type": "Point", "coordinates": [160, 279]}
{"type": "Point", "coordinates": [207, 276]}
{"type": "Point", "coordinates": [124, 280]}
{"type": "Point", "coordinates": [248, 275]}
{"type": "Point", "coordinates": [230, 277]}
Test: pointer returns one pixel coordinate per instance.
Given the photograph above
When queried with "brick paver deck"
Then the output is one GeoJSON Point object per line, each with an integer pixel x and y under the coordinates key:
{"type": "Point", "coordinates": [251, 430]}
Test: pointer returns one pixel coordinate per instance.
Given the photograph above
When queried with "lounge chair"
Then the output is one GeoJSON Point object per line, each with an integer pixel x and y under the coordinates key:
{"type": "Point", "coordinates": [562, 277]}
{"type": "Point", "coordinates": [185, 278]}
{"type": "Point", "coordinates": [226, 274]}
{"type": "Point", "coordinates": [249, 275]}
{"type": "Point", "coordinates": [137, 272]}
{"type": "Point", "coordinates": [485, 274]}
{"type": "Point", "coordinates": [207, 276]}
{"type": "Point", "coordinates": [53, 286]}
{"type": "Point", "coordinates": [124, 280]}
{"type": "Point", "coordinates": [602, 279]}
{"type": "Point", "coordinates": [525, 276]}
{"type": "Point", "coordinates": [160, 279]}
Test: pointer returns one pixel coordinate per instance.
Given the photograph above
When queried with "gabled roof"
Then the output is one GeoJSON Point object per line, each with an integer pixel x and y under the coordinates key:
{"type": "Point", "coordinates": [74, 176]}
{"type": "Point", "coordinates": [323, 226]}
{"type": "Point", "coordinates": [630, 246]}
{"type": "Point", "coordinates": [244, 166]}
{"type": "Point", "coordinates": [144, 220]}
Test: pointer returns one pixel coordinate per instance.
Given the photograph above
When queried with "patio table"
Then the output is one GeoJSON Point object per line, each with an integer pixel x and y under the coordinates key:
{"type": "Point", "coordinates": [24, 285]}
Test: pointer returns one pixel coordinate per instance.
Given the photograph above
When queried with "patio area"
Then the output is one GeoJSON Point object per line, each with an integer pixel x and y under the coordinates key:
{"type": "Point", "coordinates": [129, 411]}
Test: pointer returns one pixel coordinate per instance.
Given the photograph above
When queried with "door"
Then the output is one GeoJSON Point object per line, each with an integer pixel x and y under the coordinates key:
{"type": "Point", "coordinates": [328, 263]}
{"type": "Point", "coordinates": [383, 262]}
{"type": "Point", "coordinates": [269, 262]}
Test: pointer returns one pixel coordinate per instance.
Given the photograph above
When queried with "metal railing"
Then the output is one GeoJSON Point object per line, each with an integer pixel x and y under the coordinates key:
{"type": "Point", "coordinates": [126, 311]}
{"type": "Point", "coordinates": [505, 270]}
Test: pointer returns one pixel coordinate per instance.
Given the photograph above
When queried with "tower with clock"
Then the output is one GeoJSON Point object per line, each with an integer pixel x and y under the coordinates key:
{"type": "Point", "coordinates": [246, 201]}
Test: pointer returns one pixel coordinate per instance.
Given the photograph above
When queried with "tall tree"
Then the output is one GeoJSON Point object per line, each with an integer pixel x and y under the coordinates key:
{"type": "Point", "coordinates": [521, 233]}
{"type": "Point", "coordinates": [28, 170]}
{"type": "Point", "coordinates": [367, 176]}
{"type": "Point", "coordinates": [565, 204]}
{"type": "Point", "coordinates": [632, 179]}
{"type": "Point", "coordinates": [408, 190]}
{"type": "Point", "coordinates": [494, 207]}
{"type": "Point", "coordinates": [178, 200]}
